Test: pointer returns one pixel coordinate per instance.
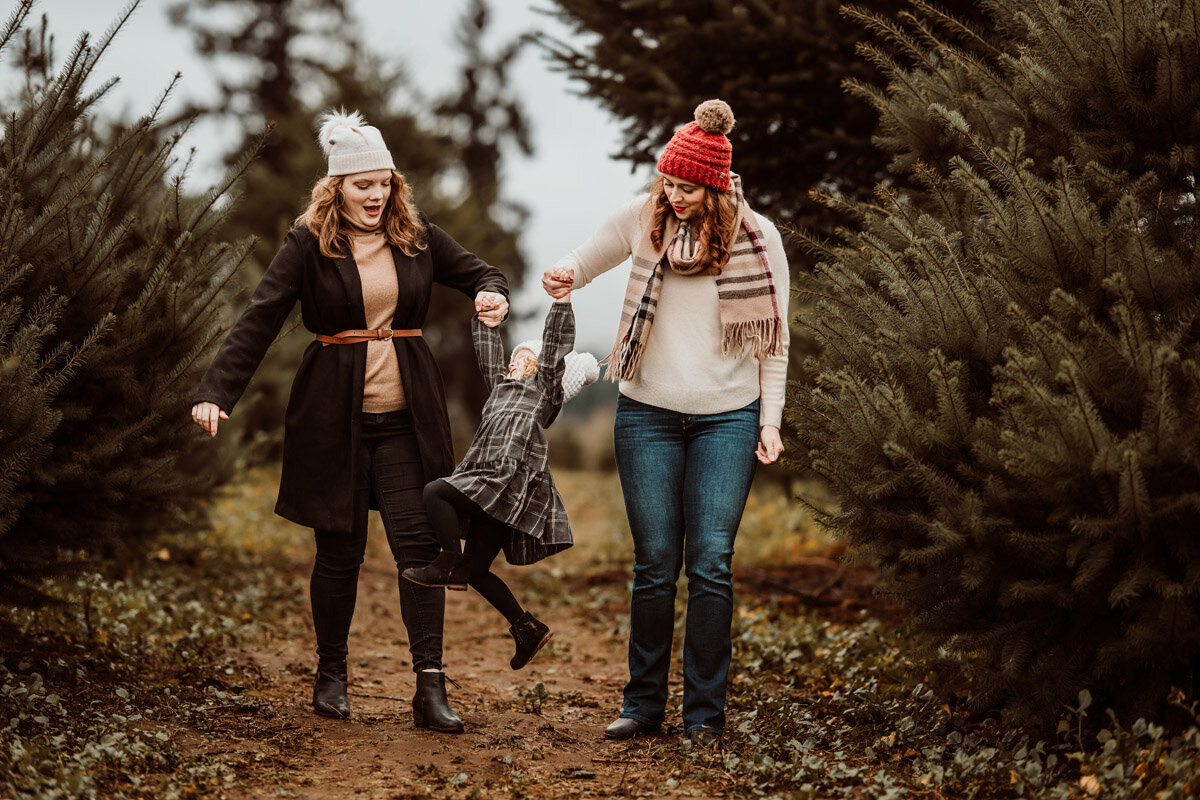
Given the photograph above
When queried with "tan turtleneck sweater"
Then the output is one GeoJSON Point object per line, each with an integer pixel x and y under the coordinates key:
{"type": "Point", "coordinates": [383, 390]}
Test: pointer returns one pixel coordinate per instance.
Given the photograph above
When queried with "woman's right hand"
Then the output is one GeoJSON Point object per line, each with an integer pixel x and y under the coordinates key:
{"type": "Point", "coordinates": [557, 281]}
{"type": "Point", "coordinates": [208, 416]}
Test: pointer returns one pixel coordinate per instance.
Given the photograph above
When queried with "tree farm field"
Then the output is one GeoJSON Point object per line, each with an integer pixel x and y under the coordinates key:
{"type": "Point", "coordinates": [189, 674]}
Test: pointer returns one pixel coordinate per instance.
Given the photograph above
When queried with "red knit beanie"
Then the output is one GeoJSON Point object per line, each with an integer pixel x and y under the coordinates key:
{"type": "Point", "coordinates": [700, 152]}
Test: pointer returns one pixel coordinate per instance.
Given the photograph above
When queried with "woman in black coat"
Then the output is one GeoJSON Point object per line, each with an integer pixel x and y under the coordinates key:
{"type": "Point", "coordinates": [366, 423]}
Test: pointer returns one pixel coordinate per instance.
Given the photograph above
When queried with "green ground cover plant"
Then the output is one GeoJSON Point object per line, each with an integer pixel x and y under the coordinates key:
{"type": "Point", "coordinates": [104, 693]}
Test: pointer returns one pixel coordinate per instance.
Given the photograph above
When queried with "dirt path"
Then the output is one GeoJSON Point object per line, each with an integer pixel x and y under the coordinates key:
{"type": "Point", "coordinates": [536, 732]}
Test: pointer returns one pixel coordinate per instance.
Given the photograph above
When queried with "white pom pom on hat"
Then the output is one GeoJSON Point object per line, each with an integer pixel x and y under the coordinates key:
{"type": "Point", "coordinates": [351, 145]}
{"type": "Point", "coordinates": [581, 369]}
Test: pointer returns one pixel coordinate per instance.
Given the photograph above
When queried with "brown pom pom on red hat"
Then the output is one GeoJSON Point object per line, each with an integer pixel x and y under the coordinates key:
{"type": "Point", "coordinates": [700, 152]}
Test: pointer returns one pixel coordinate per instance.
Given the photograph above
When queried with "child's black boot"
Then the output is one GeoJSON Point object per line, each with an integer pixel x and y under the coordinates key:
{"type": "Point", "coordinates": [449, 569]}
{"type": "Point", "coordinates": [530, 635]}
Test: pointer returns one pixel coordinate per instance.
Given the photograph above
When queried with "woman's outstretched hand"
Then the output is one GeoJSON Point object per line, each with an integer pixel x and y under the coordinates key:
{"type": "Point", "coordinates": [492, 308]}
{"type": "Point", "coordinates": [208, 416]}
{"type": "Point", "coordinates": [770, 445]}
{"type": "Point", "coordinates": [557, 281]}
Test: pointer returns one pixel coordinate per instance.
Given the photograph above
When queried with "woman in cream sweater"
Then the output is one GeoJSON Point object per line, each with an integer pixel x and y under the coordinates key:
{"type": "Point", "coordinates": [701, 360]}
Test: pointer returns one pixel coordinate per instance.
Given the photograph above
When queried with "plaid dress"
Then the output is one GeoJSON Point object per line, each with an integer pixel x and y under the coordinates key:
{"type": "Point", "coordinates": [506, 471]}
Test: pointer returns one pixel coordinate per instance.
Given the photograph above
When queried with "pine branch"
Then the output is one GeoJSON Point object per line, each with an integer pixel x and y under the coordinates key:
{"type": "Point", "coordinates": [15, 21]}
{"type": "Point", "coordinates": [956, 24]}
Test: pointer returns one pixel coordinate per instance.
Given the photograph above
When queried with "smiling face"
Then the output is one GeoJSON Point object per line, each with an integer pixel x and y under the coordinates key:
{"type": "Point", "coordinates": [364, 195]}
{"type": "Point", "coordinates": [686, 199]}
{"type": "Point", "coordinates": [524, 363]}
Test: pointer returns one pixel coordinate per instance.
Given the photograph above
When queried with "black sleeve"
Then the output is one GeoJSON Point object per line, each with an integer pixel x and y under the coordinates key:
{"type": "Point", "coordinates": [245, 346]}
{"type": "Point", "coordinates": [457, 268]}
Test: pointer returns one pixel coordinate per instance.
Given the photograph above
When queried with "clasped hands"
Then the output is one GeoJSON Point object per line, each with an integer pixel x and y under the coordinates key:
{"type": "Point", "coordinates": [492, 308]}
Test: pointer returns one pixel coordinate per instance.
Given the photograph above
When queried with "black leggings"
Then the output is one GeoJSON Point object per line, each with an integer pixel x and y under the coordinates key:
{"type": "Point", "coordinates": [453, 514]}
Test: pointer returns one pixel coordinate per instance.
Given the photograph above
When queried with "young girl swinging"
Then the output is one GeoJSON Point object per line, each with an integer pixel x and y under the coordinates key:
{"type": "Point", "coordinates": [502, 496]}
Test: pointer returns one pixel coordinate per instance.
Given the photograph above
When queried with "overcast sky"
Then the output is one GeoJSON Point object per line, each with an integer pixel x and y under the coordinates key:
{"type": "Point", "coordinates": [570, 184]}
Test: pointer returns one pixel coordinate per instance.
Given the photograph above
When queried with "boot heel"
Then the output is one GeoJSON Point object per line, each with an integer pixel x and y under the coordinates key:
{"type": "Point", "coordinates": [430, 706]}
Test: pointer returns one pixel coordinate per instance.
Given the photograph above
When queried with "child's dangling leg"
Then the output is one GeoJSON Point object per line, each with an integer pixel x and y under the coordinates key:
{"type": "Point", "coordinates": [484, 542]}
{"type": "Point", "coordinates": [450, 567]}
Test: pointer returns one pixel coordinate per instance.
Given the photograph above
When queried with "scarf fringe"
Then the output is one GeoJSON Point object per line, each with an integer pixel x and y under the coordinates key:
{"type": "Point", "coordinates": [623, 362]}
{"type": "Point", "coordinates": [759, 338]}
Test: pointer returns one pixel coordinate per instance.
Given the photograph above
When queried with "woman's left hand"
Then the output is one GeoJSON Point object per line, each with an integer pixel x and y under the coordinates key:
{"type": "Point", "coordinates": [770, 445]}
{"type": "Point", "coordinates": [492, 308]}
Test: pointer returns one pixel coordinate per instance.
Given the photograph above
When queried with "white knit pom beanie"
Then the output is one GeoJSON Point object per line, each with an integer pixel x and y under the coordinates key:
{"type": "Point", "coordinates": [532, 345]}
{"type": "Point", "coordinates": [579, 369]}
{"type": "Point", "coordinates": [352, 145]}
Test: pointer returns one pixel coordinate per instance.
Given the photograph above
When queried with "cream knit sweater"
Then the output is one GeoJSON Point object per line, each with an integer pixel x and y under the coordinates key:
{"type": "Point", "coordinates": [682, 369]}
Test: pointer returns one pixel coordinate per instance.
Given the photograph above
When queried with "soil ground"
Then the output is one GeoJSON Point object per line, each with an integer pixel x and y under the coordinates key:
{"type": "Point", "coordinates": [532, 733]}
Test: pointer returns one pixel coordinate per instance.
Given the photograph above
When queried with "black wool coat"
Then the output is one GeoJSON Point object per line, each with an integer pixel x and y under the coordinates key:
{"type": "Point", "coordinates": [324, 413]}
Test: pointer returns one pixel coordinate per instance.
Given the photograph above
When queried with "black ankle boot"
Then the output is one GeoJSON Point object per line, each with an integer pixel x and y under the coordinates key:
{"type": "Point", "coordinates": [329, 690]}
{"type": "Point", "coordinates": [430, 707]}
{"type": "Point", "coordinates": [531, 635]}
{"type": "Point", "coordinates": [448, 569]}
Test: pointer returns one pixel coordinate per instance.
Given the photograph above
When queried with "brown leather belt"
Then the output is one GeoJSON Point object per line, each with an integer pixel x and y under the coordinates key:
{"type": "Point", "coordinates": [356, 336]}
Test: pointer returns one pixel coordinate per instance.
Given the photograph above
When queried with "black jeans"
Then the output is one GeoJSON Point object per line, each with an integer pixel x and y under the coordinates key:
{"type": "Point", "coordinates": [390, 473]}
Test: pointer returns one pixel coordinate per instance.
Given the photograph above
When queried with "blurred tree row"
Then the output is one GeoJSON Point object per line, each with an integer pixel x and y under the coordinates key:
{"type": "Point", "coordinates": [117, 281]}
{"type": "Point", "coordinates": [294, 60]}
{"type": "Point", "coordinates": [780, 64]}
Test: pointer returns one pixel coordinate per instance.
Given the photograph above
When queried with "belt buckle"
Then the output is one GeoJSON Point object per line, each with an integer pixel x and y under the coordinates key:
{"type": "Point", "coordinates": [389, 333]}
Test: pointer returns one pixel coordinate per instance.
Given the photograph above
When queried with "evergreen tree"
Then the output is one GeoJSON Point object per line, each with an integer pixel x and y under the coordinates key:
{"type": "Point", "coordinates": [481, 117]}
{"type": "Point", "coordinates": [112, 282]}
{"type": "Point", "coordinates": [779, 63]}
{"type": "Point", "coordinates": [1008, 407]}
{"type": "Point", "coordinates": [450, 151]}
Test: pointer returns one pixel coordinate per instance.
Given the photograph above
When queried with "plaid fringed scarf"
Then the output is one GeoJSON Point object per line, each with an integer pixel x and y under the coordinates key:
{"type": "Point", "coordinates": [750, 318]}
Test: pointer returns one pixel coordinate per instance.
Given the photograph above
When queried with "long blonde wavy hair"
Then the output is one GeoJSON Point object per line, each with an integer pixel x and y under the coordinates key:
{"type": "Point", "coordinates": [714, 225]}
{"type": "Point", "coordinates": [325, 219]}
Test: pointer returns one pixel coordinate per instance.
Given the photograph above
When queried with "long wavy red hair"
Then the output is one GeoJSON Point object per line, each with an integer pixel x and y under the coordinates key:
{"type": "Point", "coordinates": [325, 219]}
{"type": "Point", "coordinates": [714, 228]}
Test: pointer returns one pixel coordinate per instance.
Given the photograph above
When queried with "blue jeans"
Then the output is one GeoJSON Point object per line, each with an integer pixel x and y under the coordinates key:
{"type": "Point", "coordinates": [685, 478]}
